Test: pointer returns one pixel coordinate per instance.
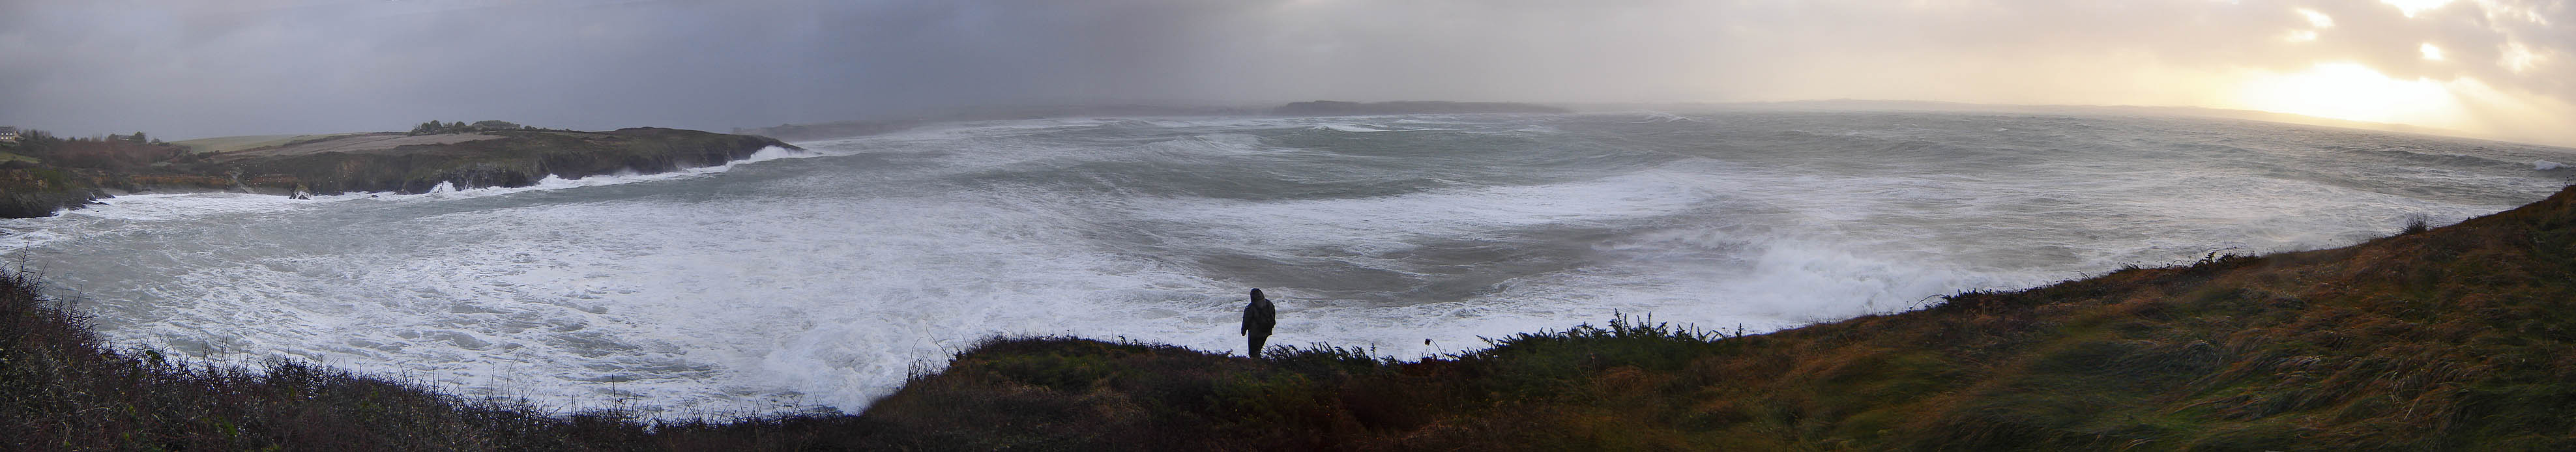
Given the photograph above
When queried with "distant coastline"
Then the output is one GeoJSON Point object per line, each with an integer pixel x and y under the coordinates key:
{"type": "Point", "coordinates": [871, 126]}
{"type": "Point", "coordinates": [57, 174]}
{"type": "Point", "coordinates": [1343, 108]}
{"type": "Point", "coordinates": [863, 127]}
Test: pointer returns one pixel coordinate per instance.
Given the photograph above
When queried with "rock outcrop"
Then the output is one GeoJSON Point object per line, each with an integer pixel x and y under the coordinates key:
{"type": "Point", "coordinates": [29, 190]}
{"type": "Point", "coordinates": [383, 161]}
{"type": "Point", "coordinates": [487, 159]}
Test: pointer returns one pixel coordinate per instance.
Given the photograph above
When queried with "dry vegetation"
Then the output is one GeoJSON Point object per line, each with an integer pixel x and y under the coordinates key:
{"type": "Point", "coordinates": [2458, 338]}
{"type": "Point", "coordinates": [2453, 339]}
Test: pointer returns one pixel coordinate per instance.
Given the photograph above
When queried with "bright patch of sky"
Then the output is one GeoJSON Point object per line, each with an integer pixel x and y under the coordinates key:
{"type": "Point", "coordinates": [188, 68]}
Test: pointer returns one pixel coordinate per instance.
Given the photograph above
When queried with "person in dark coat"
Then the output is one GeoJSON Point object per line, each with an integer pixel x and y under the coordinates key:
{"type": "Point", "coordinates": [1257, 320]}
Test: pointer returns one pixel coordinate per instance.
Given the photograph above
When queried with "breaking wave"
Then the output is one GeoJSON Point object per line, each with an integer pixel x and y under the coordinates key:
{"type": "Point", "coordinates": [767, 285]}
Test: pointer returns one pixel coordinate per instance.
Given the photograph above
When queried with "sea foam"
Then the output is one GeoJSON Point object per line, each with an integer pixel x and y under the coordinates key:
{"type": "Point", "coordinates": [764, 286]}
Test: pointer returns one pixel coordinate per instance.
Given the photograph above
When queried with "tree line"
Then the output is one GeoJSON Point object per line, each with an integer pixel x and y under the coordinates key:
{"type": "Point", "coordinates": [438, 127]}
{"type": "Point", "coordinates": [111, 151]}
{"type": "Point", "coordinates": [39, 138]}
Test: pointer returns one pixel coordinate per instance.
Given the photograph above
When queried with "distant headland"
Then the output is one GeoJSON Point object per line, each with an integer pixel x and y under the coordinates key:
{"type": "Point", "coordinates": [40, 173]}
{"type": "Point", "coordinates": [1343, 108]}
{"type": "Point", "coordinates": [872, 126]}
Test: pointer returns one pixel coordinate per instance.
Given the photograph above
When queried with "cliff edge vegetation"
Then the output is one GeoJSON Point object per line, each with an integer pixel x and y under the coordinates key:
{"type": "Point", "coordinates": [41, 173]}
{"type": "Point", "coordinates": [2455, 338]}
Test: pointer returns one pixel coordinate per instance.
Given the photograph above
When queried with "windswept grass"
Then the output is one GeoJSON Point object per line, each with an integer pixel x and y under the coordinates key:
{"type": "Point", "coordinates": [2458, 338]}
{"type": "Point", "coordinates": [61, 389]}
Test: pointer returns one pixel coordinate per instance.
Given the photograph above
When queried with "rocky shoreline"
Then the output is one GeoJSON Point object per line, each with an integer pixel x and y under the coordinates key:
{"type": "Point", "coordinates": [380, 162]}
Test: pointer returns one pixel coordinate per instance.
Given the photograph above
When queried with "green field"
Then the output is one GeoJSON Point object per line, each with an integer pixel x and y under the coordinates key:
{"type": "Point", "coordinates": [6, 157]}
{"type": "Point", "coordinates": [230, 144]}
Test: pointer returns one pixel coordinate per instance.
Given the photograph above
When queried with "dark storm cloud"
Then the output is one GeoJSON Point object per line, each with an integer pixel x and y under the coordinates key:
{"type": "Point", "coordinates": [185, 68]}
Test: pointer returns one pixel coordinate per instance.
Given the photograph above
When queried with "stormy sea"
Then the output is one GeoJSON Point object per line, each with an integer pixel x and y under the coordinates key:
{"type": "Point", "coordinates": [816, 280]}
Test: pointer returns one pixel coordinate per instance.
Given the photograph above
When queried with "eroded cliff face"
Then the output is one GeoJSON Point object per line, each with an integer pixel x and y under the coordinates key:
{"type": "Point", "coordinates": [42, 203]}
{"type": "Point", "coordinates": [503, 159]}
{"type": "Point", "coordinates": [30, 190]}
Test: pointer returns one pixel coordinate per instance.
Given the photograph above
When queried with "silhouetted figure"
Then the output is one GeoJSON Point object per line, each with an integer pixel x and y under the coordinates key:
{"type": "Point", "coordinates": [1257, 320]}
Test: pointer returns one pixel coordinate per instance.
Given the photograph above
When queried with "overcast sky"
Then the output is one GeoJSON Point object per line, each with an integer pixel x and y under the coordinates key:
{"type": "Point", "coordinates": [183, 68]}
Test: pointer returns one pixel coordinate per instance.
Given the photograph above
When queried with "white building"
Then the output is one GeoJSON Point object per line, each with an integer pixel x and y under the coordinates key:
{"type": "Point", "coordinates": [8, 134]}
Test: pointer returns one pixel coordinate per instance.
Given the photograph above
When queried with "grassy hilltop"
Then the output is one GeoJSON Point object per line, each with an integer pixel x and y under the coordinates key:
{"type": "Point", "coordinates": [2458, 338]}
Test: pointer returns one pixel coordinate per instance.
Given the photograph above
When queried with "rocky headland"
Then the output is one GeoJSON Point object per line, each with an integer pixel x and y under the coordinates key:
{"type": "Point", "coordinates": [69, 173]}
{"type": "Point", "coordinates": [396, 162]}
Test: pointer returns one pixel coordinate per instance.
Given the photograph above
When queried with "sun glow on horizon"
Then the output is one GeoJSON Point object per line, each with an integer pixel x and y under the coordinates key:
{"type": "Point", "coordinates": [2410, 7]}
{"type": "Point", "coordinates": [2351, 91]}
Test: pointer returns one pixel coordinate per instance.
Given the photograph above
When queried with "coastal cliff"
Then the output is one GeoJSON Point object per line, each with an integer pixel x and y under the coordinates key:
{"type": "Point", "coordinates": [28, 190]}
{"type": "Point", "coordinates": [58, 174]}
{"type": "Point", "coordinates": [2461, 337]}
{"type": "Point", "coordinates": [392, 162]}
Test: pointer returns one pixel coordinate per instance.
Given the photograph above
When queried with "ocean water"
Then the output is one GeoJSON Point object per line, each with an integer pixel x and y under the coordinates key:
{"type": "Point", "coordinates": [806, 281]}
